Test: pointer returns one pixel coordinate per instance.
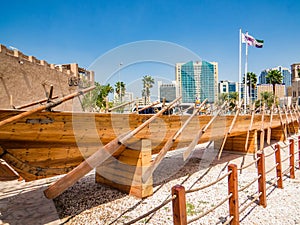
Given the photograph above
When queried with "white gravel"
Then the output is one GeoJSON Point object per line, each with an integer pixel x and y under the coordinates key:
{"type": "Point", "coordinates": [90, 203]}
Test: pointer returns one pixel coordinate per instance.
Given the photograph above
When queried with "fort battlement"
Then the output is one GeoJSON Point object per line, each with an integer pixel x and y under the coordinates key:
{"type": "Point", "coordinates": [25, 78]}
{"type": "Point", "coordinates": [68, 69]}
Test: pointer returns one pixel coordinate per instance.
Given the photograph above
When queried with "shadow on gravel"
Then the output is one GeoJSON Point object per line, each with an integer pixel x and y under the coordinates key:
{"type": "Point", "coordinates": [84, 195]}
{"type": "Point", "coordinates": [29, 207]}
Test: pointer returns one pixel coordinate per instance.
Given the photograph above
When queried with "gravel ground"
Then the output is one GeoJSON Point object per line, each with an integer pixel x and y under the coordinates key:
{"type": "Point", "coordinates": [90, 203]}
{"type": "Point", "coordinates": [100, 205]}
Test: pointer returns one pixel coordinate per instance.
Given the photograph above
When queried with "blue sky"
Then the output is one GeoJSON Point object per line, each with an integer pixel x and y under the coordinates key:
{"type": "Point", "coordinates": [81, 31]}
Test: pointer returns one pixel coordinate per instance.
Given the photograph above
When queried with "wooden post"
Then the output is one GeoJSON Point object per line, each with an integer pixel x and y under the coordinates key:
{"type": "Point", "coordinates": [278, 167]}
{"type": "Point", "coordinates": [233, 189]}
{"type": "Point", "coordinates": [179, 205]}
{"type": "Point", "coordinates": [261, 170]}
{"type": "Point", "coordinates": [292, 159]}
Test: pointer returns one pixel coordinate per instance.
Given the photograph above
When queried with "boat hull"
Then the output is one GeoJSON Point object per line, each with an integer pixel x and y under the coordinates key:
{"type": "Point", "coordinates": [51, 143]}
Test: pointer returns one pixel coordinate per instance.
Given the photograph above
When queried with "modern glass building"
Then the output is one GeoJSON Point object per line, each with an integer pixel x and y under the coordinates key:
{"type": "Point", "coordinates": [226, 86]}
{"type": "Point", "coordinates": [167, 91]}
{"type": "Point", "coordinates": [197, 81]}
{"type": "Point", "coordinates": [286, 73]}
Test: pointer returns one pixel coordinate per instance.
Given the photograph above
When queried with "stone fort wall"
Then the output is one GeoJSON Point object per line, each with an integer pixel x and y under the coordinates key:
{"type": "Point", "coordinates": [25, 79]}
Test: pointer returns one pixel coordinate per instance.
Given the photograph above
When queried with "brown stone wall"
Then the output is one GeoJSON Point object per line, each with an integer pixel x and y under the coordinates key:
{"type": "Point", "coordinates": [24, 79]}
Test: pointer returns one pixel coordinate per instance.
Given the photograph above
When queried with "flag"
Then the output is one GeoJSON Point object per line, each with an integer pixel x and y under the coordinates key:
{"type": "Point", "coordinates": [246, 38]}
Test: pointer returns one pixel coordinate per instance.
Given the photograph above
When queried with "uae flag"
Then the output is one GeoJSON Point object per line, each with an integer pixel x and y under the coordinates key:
{"type": "Point", "coordinates": [246, 38]}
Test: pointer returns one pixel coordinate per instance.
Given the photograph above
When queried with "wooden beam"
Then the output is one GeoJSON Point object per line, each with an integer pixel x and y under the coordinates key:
{"type": "Point", "coordinates": [168, 145]}
{"type": "Point", "coordinates": [46, 106]}
{"type": "Point", "coordinates": [270, 125]}
{"type": "Point", "coordinates": [250, 126]}
{"type": "Point", "coordinates": [113, 148]}
{"type": "Point", "coordinates": [196, 139]}
{"type": "Point", "coordinates": [34, 103]}
{"type": "Point", "coordinates": [230, 128]}
{"type": "Point", "coordinates": [119, 106]}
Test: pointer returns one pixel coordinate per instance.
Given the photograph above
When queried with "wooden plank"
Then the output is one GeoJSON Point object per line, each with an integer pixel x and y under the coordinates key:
{"type": "Point", "coordinates": [46, 106]}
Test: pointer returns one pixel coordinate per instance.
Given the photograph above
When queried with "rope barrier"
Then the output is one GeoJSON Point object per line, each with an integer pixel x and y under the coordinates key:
{"type": "Point", "coordinates": [151, 211]}
{"type": "Point", "coordinates": [228, 220]}
{"type": "Point", "coordinates": [273, 183]}
{"type": "Point", "coordinates": [272, 168]}
{"type": "Point", "coordinates": [210, 184]}
{"type": "Point", "coordinates": [210, 210]}
{"type": "Point", "coordinates": [285, 171]}
{"type": "Point", "coordinates": [249, 184]}
{"type": "Point", "coordinates": [289, 156]}
{"type": "Point", "coordinates": [272, 153]}
{"type": "Point", "coordinates": [253, 200]}
{"type": "Point", "coordinates": [250, 164]}
{"type": "Point", "coordinates": [284, 146]}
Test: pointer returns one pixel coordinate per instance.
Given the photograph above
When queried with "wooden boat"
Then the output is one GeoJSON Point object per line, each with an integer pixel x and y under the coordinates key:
{"type": "Point", "coordinates": [45, 144]}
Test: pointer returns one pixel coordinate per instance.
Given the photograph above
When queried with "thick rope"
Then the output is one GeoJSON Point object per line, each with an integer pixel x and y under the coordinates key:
{"type": "Point", "coordinates": [253, 200]}
{"type": "Point", "coordinates": [210, 210]}
{"type": "Point", "coordinates": [151, 211]}
{"type": "Point", "coordinates": [210, 184]}
{"type": "Point", "coordinates": [250, 164]}
{"type": "Point", "coordinates": [248, 185]}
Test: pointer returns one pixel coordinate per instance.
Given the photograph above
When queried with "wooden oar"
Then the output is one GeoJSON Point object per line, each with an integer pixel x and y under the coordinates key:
{"type": "Point", "coordinates": [168, 145]}
{"type": "Point", "coordinates": [113, 148]}
{"type": "Point", "coordinates": [269, 132]}
{"type": "Point", "coordinates": [196, 139]}
{"type": "Point", "coordinates": [46, 106]}
{"type": "Point", "coordinates": [250, 126]}
{"type": "Point", "coordinates": [230, 128]}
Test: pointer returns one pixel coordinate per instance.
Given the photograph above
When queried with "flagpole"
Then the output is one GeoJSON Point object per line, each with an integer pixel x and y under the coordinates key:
{"type": "Point", "coordinates": [246, 69]}
{"type": "Point", "coordinates": [240, 66]}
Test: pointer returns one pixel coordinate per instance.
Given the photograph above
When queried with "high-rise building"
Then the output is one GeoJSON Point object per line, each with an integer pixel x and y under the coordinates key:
{"type": "Point", "coordinates": [197, 81]}
{"type": "Point", "coordinates": [286, 73]}
{"type": "Point", "coordinates": [226, 86]}
{"type": "Point", "coordinates": [167, 91]}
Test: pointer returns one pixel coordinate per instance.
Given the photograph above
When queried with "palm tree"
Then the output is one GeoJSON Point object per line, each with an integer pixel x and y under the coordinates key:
{"type": "Point", "coordinates": [251, 82]}
{"type": "Point", "coordinates": [96, 99]}
{"type": "Point", "coordinates": [148, 82]}
{"type": "Point", "coordinates": [274, 77]}
{"type": "Point", "coordinates": [267, 98]}
{"type": "Point", "coordinates": [120, 89]}
{"type": "Point", "coordinates": [104, 92]}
